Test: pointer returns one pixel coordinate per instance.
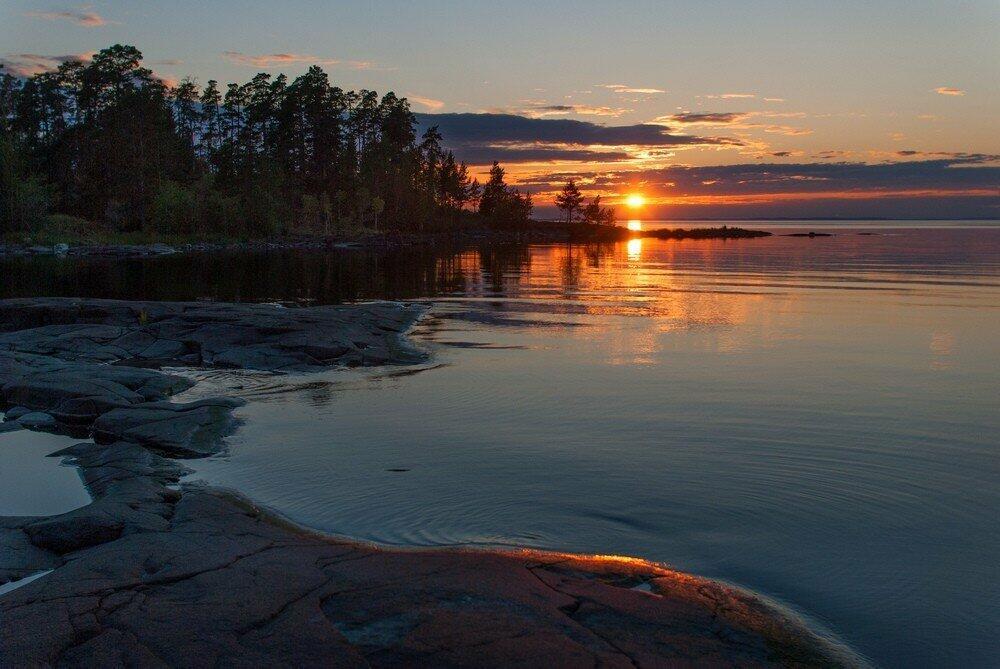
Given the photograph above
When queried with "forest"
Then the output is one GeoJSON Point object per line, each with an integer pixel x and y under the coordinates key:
{"type": "Point", "coordinates": [105, 145]}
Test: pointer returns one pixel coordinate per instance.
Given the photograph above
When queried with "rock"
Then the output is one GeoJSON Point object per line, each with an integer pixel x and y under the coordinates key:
{"type": "Point", "coordinates": [18, 556]}
{"type": "Point", "coordinates": [75, 530]}
{"type": "Point", "coordinates": [14, 413]}
{"type": "Point", "coordinates": [78, 392]}
{"type": "Point", "coordinates": [223, 584]}
{"type": "Point", "coordinates": [186, 430]}
{"type": "Point", "coordinates": [195, 577]}
{"type": "Point", "coordinates": [245, 336]}
{"type": "Point", "coordinates": [36, 420]}
{"type": "Point", "coordinates": [71, 398]}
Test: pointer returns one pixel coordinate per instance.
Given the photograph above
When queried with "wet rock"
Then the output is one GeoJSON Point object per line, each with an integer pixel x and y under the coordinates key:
{"type": "Point", "coordinates": [75, 530]}
{"type": "Point", "coordinates": [18, 556]}
{"type": "Point", "coordinates": [186, 430]}
{"type": "Point", "coordinates": [245, 336]}
{"type": "Point", "coordinates": [78, 392]}
{"type": "Point", "coordinates": [14, 413]}
{"type": "Point", "coordinates": [222, 584]}
{"type": "Point", "coordinates": [36, 420]}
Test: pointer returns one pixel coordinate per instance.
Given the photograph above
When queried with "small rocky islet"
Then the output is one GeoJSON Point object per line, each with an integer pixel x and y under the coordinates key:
{"type": "Point", "coordinates": [157, 573]}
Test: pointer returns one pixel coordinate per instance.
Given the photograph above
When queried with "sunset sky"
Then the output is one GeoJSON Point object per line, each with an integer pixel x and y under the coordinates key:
{"type": "Point", "coordinates": [709, 109]}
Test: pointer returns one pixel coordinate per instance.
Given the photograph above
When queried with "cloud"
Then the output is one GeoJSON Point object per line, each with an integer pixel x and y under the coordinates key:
{"type": "Point", "coordinates": [272, 60]}
{"type": "Point", "coordinates": [733, 96]}
{"type": "Point", "coordinates": [536, 153]}
{"type": "Point", "coordinates": [959, 185]}
{"type": "Point", "coordinates": [737, 121]}
{"type": "Point", "coordinates": [29, 64]}
{"type": "Point", "coordinates": [479, 138]}
{"type": "Point", "coordinates": [622, 88]}
{"type": "Point", "coordinates": [541, 110]}
{"type": "Point", "coordinates": [706, 118]}
{"type": "Point", "coordinates": [948, 90]}
{"type": "Point", "coordinates": [81, 17]}
{"type": "Point", "coordinates": [512, 128]}
{"type": "Point", "coordinates": [168, 80]}
{"type": "Point", "coordinates": [953, 173]}
{"type": "Point", "coordinates": [430, 103]}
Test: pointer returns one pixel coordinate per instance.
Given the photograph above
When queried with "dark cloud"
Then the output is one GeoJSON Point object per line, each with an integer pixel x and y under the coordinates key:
{"type": "Point", "coordinates": [961, 171]}
{"type": "Point", "coordinates": [708, 118]}
{"type": "Point", "coordinates": [485, 154]}
{"type": "Point", "coordinates": [475, 134]}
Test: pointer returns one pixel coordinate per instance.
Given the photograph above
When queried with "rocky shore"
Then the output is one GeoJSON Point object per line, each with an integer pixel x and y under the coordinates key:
{"type": "Point", "coordinates": [155, 573]}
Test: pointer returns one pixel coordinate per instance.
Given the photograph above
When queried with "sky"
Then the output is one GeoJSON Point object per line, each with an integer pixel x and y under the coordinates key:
{"type": "Point", "coordinates": [708, 109]}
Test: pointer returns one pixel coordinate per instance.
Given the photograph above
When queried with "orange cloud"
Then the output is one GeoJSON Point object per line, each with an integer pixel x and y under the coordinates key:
{"type": "Point", "coordinates": [30, 64]}
{"type": "Point", "coordinates": [541, 110]}
{"type": "Point", "coordinates": [733, 96]}
{"type": "Point", "coordinates": [429, 103]}
{"type": "Point", "coordinates": [270, 60]}
{"type": "Point", "coordinates": [81, 17]}
{"type": "Point", "coordinates": [622, 88]}
{"type": "Point", "coordinates": [737, 120]}
{"type": "Point", "coordinates": [948, 90]}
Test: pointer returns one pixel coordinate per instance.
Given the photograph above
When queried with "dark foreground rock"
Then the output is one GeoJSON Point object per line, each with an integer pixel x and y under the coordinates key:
{"type": "Point", "coordinates": [74, 364]}
{"type": "Point", "coordinates": [156, 574]}
{"type": "Point", "coordinates": [246, 336]}
{"type": "Point", "coordinates": [149, 576]}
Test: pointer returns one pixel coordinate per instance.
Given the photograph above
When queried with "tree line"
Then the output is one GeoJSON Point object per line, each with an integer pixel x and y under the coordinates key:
{"type": "Point", "coordinates": [108, 142]}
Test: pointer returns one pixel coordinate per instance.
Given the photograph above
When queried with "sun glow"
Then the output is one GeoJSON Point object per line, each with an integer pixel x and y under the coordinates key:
{"type": "Point", "coordinates": [635, 225]}
{"type": "Point", "coordinates": [635, 201]}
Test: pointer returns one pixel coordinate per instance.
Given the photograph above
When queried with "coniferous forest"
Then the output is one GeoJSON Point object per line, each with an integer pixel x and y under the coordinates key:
{"type": "Point", "coordinates": [106, 145]}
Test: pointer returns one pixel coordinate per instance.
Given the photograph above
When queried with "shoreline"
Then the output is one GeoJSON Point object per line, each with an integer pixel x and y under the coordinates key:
{"type": "Point", "coordinates": [536, 233]}
{"type": "Point", "coordinates": [152, 571]}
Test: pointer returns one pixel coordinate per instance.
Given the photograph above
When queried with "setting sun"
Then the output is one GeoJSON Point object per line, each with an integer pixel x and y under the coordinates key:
{"type": "Point", "coordinates": [635, 201]}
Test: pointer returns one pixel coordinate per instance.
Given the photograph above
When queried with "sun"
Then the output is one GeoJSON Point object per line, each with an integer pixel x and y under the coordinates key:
{"type": "Point", "coordinates": [635, 201]}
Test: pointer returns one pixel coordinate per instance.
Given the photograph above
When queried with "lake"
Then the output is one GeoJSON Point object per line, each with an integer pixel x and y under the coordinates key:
{"type": "Point", "coordinates": [815, 419]}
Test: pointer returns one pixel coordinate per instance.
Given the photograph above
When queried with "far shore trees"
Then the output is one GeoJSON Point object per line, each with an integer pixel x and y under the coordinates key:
{"type": "Point", "coordinates": [108, 145]}
{"type": "Point", "coordinates": [570, 200]}
{"type": "Point", "coordinates": [502, 204]}
{"type": "Point", "coordinates": [595, 214]}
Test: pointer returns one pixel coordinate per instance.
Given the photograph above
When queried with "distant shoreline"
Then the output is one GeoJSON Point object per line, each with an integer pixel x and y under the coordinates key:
{"type": "Point", "coordinates": [531, 233]}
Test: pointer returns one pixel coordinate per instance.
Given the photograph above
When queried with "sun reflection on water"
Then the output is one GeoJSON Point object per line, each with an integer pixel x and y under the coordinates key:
{"type": "Point", "coordinates": [634, 248]}
{"type": "Point", "coordinates": [635, 224]}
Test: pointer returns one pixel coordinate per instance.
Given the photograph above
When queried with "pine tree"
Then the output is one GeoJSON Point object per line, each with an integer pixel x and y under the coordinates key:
{"type": "Point", "coordinates": [570, 200]}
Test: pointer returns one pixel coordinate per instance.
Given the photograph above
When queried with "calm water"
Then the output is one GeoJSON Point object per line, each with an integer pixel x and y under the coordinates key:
{"type": "Point", "coordinates": [814, 419]}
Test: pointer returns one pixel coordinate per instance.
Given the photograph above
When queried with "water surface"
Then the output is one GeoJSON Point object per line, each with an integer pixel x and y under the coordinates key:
{"type": "Point", "coordinates": [814, 419]}
{"type": "Point", "coordinates": [33, 484]}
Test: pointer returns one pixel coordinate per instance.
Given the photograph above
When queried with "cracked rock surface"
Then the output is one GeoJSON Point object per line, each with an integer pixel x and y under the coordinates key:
{"type": "Point", "coordinates": [155, 575]}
